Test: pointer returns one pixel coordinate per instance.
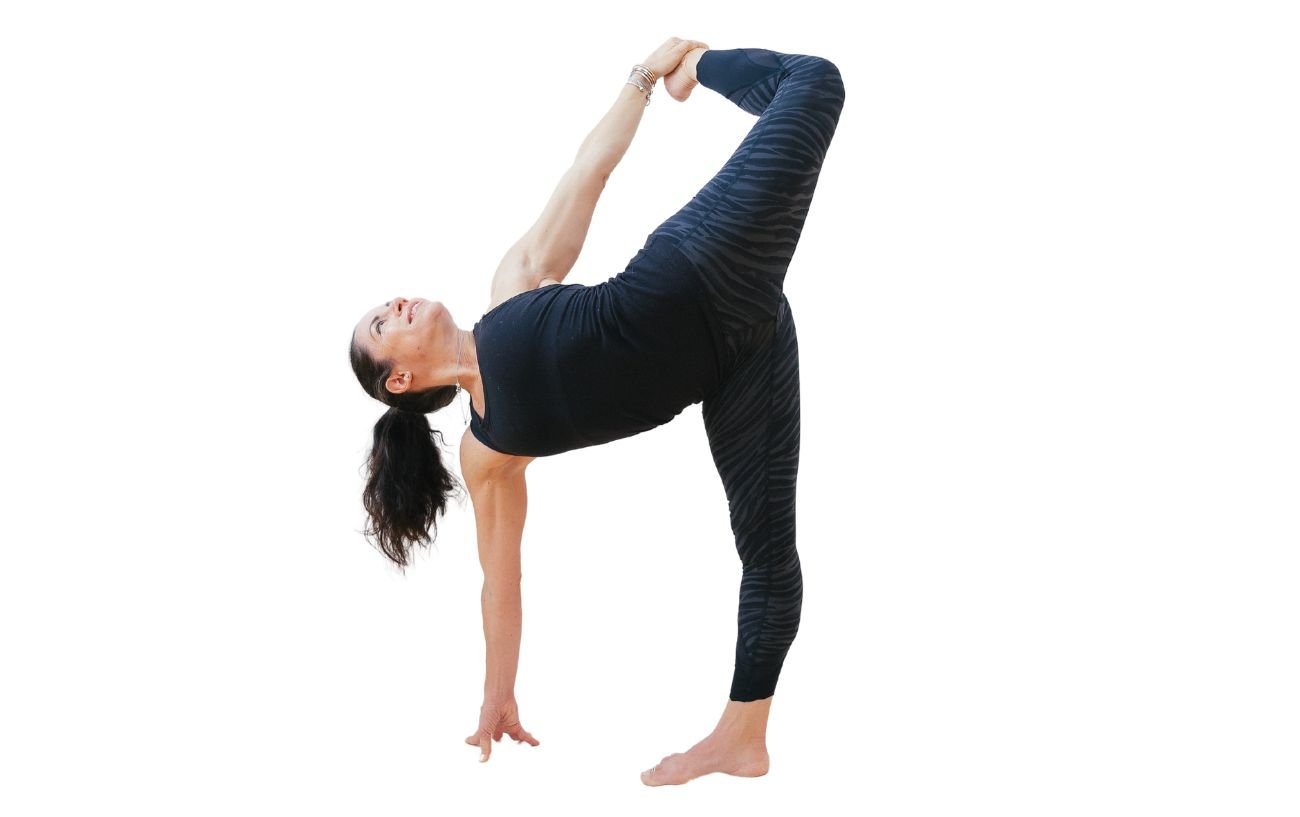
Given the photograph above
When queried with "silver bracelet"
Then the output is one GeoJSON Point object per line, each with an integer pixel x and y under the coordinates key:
{"type": "Point", "coordinates": [644, 79]}
{"type": "Point", "coordinates": [640, 85]}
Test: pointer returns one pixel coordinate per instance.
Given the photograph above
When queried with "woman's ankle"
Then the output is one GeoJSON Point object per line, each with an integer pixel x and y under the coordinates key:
{"type": "Point", "coordinates": [746, 719]}
{"type": "Point", "coordinates": [692, 59]}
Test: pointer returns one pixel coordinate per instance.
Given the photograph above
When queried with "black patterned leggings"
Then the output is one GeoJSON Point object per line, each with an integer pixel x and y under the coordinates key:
{"type": "Point", "coordinates": [740, 231]}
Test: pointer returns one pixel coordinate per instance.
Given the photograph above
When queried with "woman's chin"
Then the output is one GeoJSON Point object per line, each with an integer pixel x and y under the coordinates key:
{"type": "Point", "coordinates": [430, 313]}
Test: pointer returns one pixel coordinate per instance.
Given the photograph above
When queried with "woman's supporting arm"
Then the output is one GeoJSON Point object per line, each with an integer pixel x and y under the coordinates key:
{"type": "Point", "coordinates": [503, 618]}
{"type": "Point", "coordinates": [500, 507]}
{"type": "Point", "coordinates": [500, 498]}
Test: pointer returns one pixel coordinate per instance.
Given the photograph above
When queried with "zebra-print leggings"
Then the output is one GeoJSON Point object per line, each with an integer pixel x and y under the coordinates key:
{"type": "Point", "coordinates": [740, 232]}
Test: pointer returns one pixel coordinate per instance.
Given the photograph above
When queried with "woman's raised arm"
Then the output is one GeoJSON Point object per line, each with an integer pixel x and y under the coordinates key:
{"type": "Point", "coordinates": [551, 247]}
{"type": "Point", "coordinates": [609, 140]}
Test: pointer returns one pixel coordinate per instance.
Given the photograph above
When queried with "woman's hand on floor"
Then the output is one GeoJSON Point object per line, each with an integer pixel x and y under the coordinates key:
{"type": "Point", "coordinates": [668, 56]}
{"type": "Point", "coordinates": [498, 717]}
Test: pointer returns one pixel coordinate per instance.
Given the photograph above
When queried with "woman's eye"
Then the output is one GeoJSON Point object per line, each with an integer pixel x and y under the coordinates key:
{"type": "Point", "coordinates": [380, 325]}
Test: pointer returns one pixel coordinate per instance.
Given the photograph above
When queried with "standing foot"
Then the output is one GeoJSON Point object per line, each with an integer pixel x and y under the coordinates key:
{"type": "Point", "coordinates": [706, 757]}
{"type": "Point", "coordinates": [737, 746]}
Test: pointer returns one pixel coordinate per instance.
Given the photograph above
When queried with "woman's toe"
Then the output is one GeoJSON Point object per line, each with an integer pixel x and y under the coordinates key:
{"type": "Point", "coordinates": [662, 773]}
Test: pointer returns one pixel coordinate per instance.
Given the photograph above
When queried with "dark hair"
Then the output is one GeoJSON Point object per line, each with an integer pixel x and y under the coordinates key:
{"type": "Point", "coordinates": [407, 486]}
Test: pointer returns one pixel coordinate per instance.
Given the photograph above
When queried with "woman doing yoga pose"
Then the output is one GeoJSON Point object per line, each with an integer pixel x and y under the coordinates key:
{"type": "Point", "coordinates": [698, 315]}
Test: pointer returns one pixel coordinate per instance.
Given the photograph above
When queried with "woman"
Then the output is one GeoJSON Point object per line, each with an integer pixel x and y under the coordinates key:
{"type": "Point", "coordinates": [697, 315]}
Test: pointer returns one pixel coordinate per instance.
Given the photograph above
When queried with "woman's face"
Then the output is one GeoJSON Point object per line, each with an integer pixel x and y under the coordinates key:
{"type": "Point", "coordinates": [412, 333]}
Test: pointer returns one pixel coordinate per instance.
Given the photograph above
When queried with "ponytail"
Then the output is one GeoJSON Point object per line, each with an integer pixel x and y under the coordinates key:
{"type": "Point", "coordinates": [408, 484]}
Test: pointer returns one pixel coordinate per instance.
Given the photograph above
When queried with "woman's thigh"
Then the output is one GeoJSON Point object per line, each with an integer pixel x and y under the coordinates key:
{"type": "Point", "coordinates": [741, 229]}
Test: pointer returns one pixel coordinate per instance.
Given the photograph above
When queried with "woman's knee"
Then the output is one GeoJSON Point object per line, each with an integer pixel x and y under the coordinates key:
{"type": "Point", "coordinates": [813, 65]}
{"type": "Point", "coordinates": [826, 73]}
{"type": "Point", "coordinates": [827, 67]}
{"type": "Point", "coordinates": [834, 82]}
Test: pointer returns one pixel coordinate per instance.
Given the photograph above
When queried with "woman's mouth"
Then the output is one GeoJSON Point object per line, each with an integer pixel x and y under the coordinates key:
{"type": "Point", "coordinates": [410, 313]}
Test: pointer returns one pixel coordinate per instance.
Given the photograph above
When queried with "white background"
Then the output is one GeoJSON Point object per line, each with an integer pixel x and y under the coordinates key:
{"type": "Point", "coordinates": [1047, 500]}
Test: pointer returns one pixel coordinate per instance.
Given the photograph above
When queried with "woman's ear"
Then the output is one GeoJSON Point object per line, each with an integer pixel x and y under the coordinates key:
{"type": "Point", "coordinates": [398, 382]}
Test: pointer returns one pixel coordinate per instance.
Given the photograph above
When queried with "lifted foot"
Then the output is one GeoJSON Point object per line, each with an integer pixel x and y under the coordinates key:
{"type": "Point", "coordinates": [681, 80]}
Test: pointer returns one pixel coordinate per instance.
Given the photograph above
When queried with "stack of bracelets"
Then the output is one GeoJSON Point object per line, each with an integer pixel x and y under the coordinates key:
{"type": "Point", "coordinates": [642, 78]}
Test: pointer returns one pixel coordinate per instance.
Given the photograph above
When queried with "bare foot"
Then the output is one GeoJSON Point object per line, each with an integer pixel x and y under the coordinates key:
{"type": "Point", "coordinates": [739, 757]}
{"type": "Point", "coordinates": [681, 80]}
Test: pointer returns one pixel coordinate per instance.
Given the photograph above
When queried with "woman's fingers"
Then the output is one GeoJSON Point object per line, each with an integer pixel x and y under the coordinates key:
{"type": "Point", "coordinates": [484, 743]}
{"type": "Point", "coordinates": [682, 49]}
{"type": "Point", "coordinates": [669, 55]}
{"type": "Point", "coordinates": [519, 733]}
{"type": "Point", "coordinates": [484, 737]}
{"type": "Point", "coordinates": [690, 46]}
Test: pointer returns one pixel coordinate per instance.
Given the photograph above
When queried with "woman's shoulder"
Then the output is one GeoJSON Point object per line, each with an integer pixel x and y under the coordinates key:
{"type": "Point", "coordinates": [478, 462]}
{"type": "Point", "coordinates": [509, 295]}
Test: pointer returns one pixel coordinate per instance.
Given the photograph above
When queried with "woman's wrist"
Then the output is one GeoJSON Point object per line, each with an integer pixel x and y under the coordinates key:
{"type": "Point", "coordinates": [631, 91]}
{"type": "Point", "coordinates": [643, 80]}
{"type": "Point", "coordinates": [494, 696]}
